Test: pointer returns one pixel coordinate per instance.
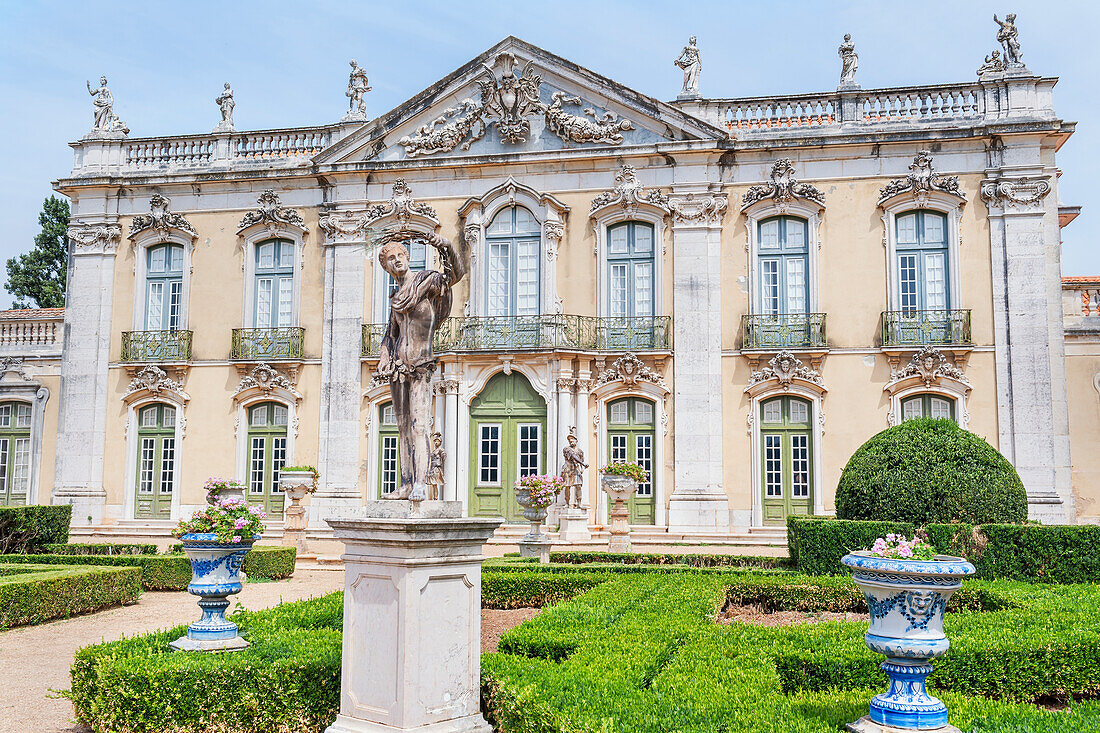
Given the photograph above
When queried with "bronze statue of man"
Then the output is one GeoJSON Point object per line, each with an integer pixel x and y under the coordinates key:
{"type": "Point", "coordinates": [420, 302]}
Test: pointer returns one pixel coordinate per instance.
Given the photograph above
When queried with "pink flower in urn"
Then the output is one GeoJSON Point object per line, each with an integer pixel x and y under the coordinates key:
{"type": "Point", "coordinates": [236, 538]}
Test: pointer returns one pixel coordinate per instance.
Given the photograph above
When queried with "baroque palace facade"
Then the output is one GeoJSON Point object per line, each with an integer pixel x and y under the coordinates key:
{"type": "Point", "coordinates": [736, 293]}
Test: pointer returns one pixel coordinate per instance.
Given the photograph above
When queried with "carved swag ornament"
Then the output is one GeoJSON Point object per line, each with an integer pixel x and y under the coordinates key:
{"type": "Point", "coordinates": [628, 193]}
{"type": "Point", "coordinates": [921, 179]}
{"type": "Point", "coordinates": [271, 212]}
{"type": "Point", "coordinates": [154, 380]}
{"type": "Point", "coordinates": [783, 187]}
{"type": "Point", "coordinates": [785, 367]}
{"type": "Point", "coordinates": [930, 365]}
{"type": "Point", "coordinates": [629, 369]}
{"type": "Point", "coordinates": [160, 218]}
{"type": "Point", "coordinates": [266, 379]}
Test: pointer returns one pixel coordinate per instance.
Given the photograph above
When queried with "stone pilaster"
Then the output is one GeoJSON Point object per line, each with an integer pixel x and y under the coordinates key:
{"type": "Point", "coordinates": [78, 475]}
{"type": "Point", "coordinates": [448, 389]}
{"type": "Point", "coordinates": [697, 503]}
{"type": "Point", "coordinates": [341, 366]}
{"type": "Point", "coordinates": [1032, 407]}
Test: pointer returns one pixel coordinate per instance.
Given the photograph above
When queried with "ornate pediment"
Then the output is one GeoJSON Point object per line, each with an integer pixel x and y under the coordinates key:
{"type": "Point", "coordinates": [783, 188]}
{"type": "Point", "coordinates": [930, 365]}
{"type": "Point", "coordinates": [271, 213]}
{"type": "Point", "coordinates": [630, 370]}
{"type": "Point", "coordinates": [264, 380]}
{"type": "Point", "coordinates": [628, 194]}
{"type": "Point", "coordinates": [785, 368]}
{"type": "Point", "coordinates": [921, 179]}
{"type": "Point", "coordinates": [402, 211]}
{"type": "Point", "coordinates": [161, 220]}
{"type": "Point", "coordinates": [154, 381]}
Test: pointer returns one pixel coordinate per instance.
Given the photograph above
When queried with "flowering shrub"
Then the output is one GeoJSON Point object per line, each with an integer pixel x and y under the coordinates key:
{"type": "Point", "coordinates": [897, 547]}
{"type": "Point", "coordinates": [632, 471]}
{"type": "Point", "coordinates": [544, 489]}
{"type": "Point", "coordinates": [215, 486]}
{"type": "Point", "coordinates": [232, 520]}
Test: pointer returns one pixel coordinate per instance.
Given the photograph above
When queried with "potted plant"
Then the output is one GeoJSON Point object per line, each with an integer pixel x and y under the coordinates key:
{"type": "Point", "coordinates": [223, 488]}
{"type": "Point", "coordinates": [907, 587]}
{"type": "Point", "coordinates": [216, 541]}
{"type": "Point", "coordinates": [535, 493]}
{"type": "Point", "coordinates": [620, 480]}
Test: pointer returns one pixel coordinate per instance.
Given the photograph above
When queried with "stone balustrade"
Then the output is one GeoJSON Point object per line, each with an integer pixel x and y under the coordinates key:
{"type": "Point", "coordinates": [1081, 306]}
{"type": "Point", "coordinates": [37, 331]}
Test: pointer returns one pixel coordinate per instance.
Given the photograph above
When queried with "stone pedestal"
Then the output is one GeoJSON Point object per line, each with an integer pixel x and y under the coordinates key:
{"type": "Point", "coordinates": [539, 548]}
{"type": "Point", "coordinates": [698, 511]}
{"type": "Point", "coordinates": [620, 528]}
{"type": "Point", "coordinates": [412, 618]}
{"type": "Point", "coordinates": [866, 725]}
{"type": "Point", "coordinates": [573, 525]}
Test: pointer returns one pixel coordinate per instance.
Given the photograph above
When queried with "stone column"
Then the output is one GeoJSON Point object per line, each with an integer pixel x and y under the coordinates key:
{"type": "Point", "coordinates": [449, 389]}
{"type": "Point", "coordinates": [78, 475]}
{"type": "Point", "coordinates": [584, 434]}
{"type": "Point", "coordinates": [412, 618]}
{"type": "Point", "coordinates": [698, 503]}
{"type": "Point", "coordinates": [341, 367]}
{"type": "Point", "coordinates": [1032, 407]}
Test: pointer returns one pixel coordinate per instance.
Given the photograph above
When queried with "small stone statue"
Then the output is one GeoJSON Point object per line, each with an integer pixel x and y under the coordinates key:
{"type": "Point", "coordinates": [418, 304]}
{"type": "Point", "coordinates": [357, 89]}
{"type": "Point", "coordinates": [435, 468]}
{"type": "Point", "coordinates": [106, 121]}
{"type": "Point", "coordinates": [225, 103]}
{"type": "Point", "coordinates": [571, 471]}
{"type": "Point", "coordinates": [993, 64]}
{"type": "Point", "coordinates": [1009, 38]}
{"type": "Point", "coordinates": [691, 63]}
{"type": "Point", "coordinates": [849, 60]}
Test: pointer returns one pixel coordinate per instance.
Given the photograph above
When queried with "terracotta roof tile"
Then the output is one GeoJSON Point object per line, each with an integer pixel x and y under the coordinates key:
{"type": "Point", "coordinates": [31, 314]}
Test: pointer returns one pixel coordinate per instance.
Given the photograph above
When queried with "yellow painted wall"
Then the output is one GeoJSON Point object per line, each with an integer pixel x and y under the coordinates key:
{"type": "Point", "coordinates": [1082, 368]}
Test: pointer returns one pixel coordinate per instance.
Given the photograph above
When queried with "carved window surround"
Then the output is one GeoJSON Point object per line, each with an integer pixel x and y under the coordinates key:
{"type": "Point", "coordinates": [152, 385]}
{"type": "Point", "coordinates": [160, 226]}
{"type": "Point", "coordinates": [551, 215]}
{"type": "Point", "coordinates": [270, 220]}
{"type": "Point", "coordinates": [785, 373]}
{"type": "Point", "coordinates": [929, 372]}
{"type": "Point", "coordinates": [17, 386]}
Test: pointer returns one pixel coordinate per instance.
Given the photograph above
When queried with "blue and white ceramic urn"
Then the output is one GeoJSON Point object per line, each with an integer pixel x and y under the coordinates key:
{"type": "Point", "coordinates": [215, 574]}
{"type": "Point", "coordinates": [906, 600]}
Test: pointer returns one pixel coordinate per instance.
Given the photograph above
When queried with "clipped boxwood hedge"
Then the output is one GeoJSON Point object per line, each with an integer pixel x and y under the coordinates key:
{"type": "Point", "coordinates": [173, 572]}
{"type": "Point", "coordinates": [104, 548]}
{"type": "Point", "coordinates": [30, 528]}
{"type": "Point", "coordinates": [1026, 552]}
{"type": "Point", "coordinates": [31, 594]}
{"type": "Point", "coordinates": [654, 558]}
{"type": "Point", "coordinates": [532, 588]}
{"type": "Point", "coordinates": [929, 471]}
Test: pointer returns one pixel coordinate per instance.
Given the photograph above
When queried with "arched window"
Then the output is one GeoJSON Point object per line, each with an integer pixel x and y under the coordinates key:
{"type": "Point", "coordinates": [783, 258]}
{"type": "Point", "coordinates": [923, 279]}
{"type": "Point", "coordinates": [512, 242]}
{"type": "Point", "coordinates": [630, 269]}
{"type": "Point", "coordinates": [163, 287]}
{"type": "Point", "coordinates": [267, 454]}
{"type": "Point", "coordinates": [156, 457]}
{"type": "Point", "coordinates": [928, 405]}
{"type": "Point", "coordinates": [389, 462]}
{"type": "Point", "coordinates": [274, 291]}
{"type": "Point", "coordinates": [787, 460]}
{"type": "Point", "coordinates": [15, 453]}
{"type": "Point", "coordinates": [630, 437]}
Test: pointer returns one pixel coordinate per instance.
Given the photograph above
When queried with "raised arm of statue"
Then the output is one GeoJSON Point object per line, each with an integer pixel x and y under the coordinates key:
{"type": "Point", "coordinates": [454, 259]}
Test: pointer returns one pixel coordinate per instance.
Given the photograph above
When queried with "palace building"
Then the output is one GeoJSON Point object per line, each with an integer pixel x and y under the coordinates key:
{"type": "Point", "coordinates": [735, 293]}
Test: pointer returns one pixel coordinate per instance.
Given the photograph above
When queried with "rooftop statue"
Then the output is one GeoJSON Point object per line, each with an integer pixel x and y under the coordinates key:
{"type": "Point", "coordinates": [418, 305]}
{"type": "Point", "coordinates": [1009, 38]}
{"type": "Point", "coordinates": [225, 104]}
{"type": "Point", "coordinates": [849, 60]}
{"type": "Point", "coordinates": [107, 123]}
{"type": "Point", "coordinates": [691, 63]}
{"type": "Point", "coordinates": [356, 93]}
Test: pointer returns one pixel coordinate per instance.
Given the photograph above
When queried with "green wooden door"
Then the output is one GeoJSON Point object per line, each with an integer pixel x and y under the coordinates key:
{"type": "Point", "coordinates": [630, 437]}
{"type": "Point", "coordinates": [156, 462]}
{"type": "Point", "coordinates": [389, 460]}
{"type": "Point", "coordinates": [507, 440]}
{"type": "Point", "coordinates": [15, 453]}
{"type": "Point", "coordinates": [267, 441]}
{"type": "Point", "coordinates": [786, 459]}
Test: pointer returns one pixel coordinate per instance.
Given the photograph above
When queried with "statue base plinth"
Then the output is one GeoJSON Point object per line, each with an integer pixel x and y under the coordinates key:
{"type": "Point", "coordinates": [573, 525]}
{"type": "Point", "coordinates": [866, 725]}
{"type": "Point", "coordinates": [539, 548]}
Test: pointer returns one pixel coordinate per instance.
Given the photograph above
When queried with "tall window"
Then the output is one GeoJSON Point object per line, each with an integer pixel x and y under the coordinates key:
{"type": "Point", "coordinates": [784, 262]}
{"type": "Point", "coordinates": [274, 299]}
{"type": "Point", "coordinates": [418, 259]}
{"type": "Point", "coordinates": [156, 461]}
{"type": "Point", "coordinates": [922, 261]}
{"type": "Point", "coordinates": [630, 437]}
{"type": "Point", "coordinates": [512, 241]}
{"type": "Point", "coordinates": [389, 474]}
{"type": "Point", "coordinates": [630, 269]}
{"type": "Point", "coordinates": [15, 452]}
{"type": "Point", "coordinates": [267, 454]}
{"type": "Point", "coordinates": [787, 458]}
{"type": "Point", "coordinates": [163, 287]}
{"type": "Point", "coordinates": [928, 405]}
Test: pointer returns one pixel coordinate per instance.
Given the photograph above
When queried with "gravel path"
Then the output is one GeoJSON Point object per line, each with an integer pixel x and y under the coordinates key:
{"type": "Point", "coordinates": [36, 659]}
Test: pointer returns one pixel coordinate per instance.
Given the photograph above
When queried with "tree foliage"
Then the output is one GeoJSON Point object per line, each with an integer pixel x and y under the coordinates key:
{"type": "Point", "coordinates": [37, 278]}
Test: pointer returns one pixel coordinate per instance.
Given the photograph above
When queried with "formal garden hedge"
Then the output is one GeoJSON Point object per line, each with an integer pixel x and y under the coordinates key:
{"type": "Point", "coordinates": [102, 548]}
{"type": "Point", "coordinates": [31, 528]}
{"type": "Point", "coordinates": [928, 471]}
{"type": "Point", "coordinates": [31, 594]}
{"type": "Point", "coordinates": [638, 651]}
{"type": "Point", "coordinates": [173, 572]}
{"type": "Point", "coordinates": [1027, 552]}
{"type": "Point", "coordinates": [654, 558]}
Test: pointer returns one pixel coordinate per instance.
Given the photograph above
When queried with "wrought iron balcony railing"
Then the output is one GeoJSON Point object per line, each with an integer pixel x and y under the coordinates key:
{"type": "Point", "coordinates": [267, 343]}
{"type": "Point", "coordinates": [533, 333]}
{"type": "Point", "coordinates": [142, 346]}
{"type": "Point", "coordinates": [917, 328]}
{"type": "Point", "coordinates": [783, 331]}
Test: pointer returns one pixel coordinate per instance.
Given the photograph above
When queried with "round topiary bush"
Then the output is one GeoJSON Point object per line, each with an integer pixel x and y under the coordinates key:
{"type": "Point", "coordinates": [928, 471]}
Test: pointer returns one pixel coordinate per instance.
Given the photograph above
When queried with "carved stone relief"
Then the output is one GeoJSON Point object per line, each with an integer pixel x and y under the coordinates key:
{"type": "Point", "coordinates": [1015, 193]}
{"type": "Point", "coordinates": [783, 187]}
{"type": "Point", "coordinates": [705, 208]}
{"type": "Point", "coordinates": [628, 194]}
{"type": "Point", "coordinates": [930, 364]}
{"type": "Point", "coordinates": [785, 367]}
{"type": "Point", "coordinates": [606, 128]}
{"type": "Point", "coordinates": [154, 380]}
{"type": "Point", "coordinates": [94, 238]}
{"type": "Point", "coordinates": [264, 378]}
{"type": "Point", "coordinates": [402, 206]}
{"type": "Point", "coordinates": [271, 212]}
{"type": "Point", "coordinates": [921, 179]}
{"type": "Point", "coordinates": [630, 370]}
{"type": "Point", "coordinates": [160, 218]}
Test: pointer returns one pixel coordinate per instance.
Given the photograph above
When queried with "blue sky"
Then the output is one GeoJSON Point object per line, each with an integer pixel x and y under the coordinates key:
{"type": "Point", "coordinates": [288, 64]}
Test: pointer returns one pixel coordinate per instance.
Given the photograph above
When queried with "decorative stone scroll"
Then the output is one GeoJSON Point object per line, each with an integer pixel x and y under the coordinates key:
{"type": "Point", "coordinates": [630, 370]}
{"type": "Point", "coordinates": [705, 209]}
{"type": "Point", "coordinates": [1015, 193]}
{"type": "Point", "coordinates": [511, 99]}
{"type": "Point", "coordinates": [155, 381]}
{"type": "Point", "coordinates": [783, 187]}
{"type": "Point", "coordinates": [13, 366]}
{"type": "Point", "coordinates": [402, 207]}
{"type": "Point", "coordinates": [930, 365]}
{"type": "Point", "coordinates": [921, 180]}
{"type": "Point", "coordinates": [606, 128]}
{"type": "Point", "coordinates": [91, 239]}
{"type": "Point", "coordinates": [272, 213]}
{"type": "Point", "coordinates": [344, 226]}
{"type": "Point", "coordinates": [160, 219]}
{"type": "Point", "coordinates": [266, 380]}
{"type": "Point", "coordinates": [628, 194]}
{"type": "Point", "coordinates": [785, 367]}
